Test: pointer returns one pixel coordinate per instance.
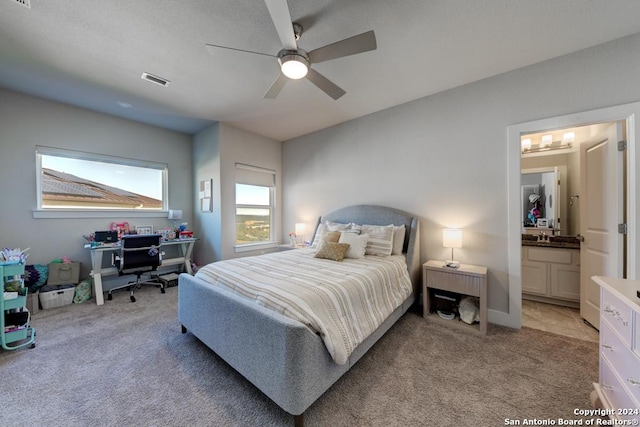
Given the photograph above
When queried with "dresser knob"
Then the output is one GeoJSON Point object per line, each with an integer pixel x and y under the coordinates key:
{"type": "Point", "coordinates": [606, 387]}
{"type": "Point", "coordinates": [633, 382]}
{"type": "Point", "coordinates": [607, 346]}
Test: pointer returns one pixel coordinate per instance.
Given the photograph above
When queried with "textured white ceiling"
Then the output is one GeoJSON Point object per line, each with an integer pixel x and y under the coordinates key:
{"type": "Point", "coordinates": [92, 54]}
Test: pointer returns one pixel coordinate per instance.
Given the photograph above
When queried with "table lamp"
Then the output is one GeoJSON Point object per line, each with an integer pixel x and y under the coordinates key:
{"type": "Point", "coordinates": [300, 230]}
{"type": "Point", "coordinates": [175, 215]}
{"type": "Point", "coordinates": [452, 238]}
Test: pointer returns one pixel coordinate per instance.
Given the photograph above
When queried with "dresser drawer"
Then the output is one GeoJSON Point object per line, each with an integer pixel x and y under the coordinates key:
{"type": "Point", "coordinates": [621, 358]}
{"type": "Point", "coordinates": [468, 285]}
{"type": "Point", "coordinates": [617, 314]}
{"type": "Point", "coordinates": [615, 392]}
{"type": "Point", "coordinates": [636, 327]}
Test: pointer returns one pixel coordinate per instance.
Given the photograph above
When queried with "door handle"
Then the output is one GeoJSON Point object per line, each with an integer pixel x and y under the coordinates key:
{"type": "Point", "coordinates": [580, 237]}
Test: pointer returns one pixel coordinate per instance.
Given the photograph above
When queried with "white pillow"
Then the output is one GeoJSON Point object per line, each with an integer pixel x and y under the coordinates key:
{"type": "Point", "coordinates": [357, 242]}
{"type": "Point", "coordinates": [380, 239]}
{"type": "Point", "coordinates": [398, 239]}
{"type": "Point", "coordinates": [327, 226]}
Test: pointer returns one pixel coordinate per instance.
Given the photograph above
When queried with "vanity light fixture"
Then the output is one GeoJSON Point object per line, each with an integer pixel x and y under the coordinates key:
{"type": "Point", "coordinates": [568, 137]}
{"type": "Point", "coordinates": [547, 143]}
{"type": "Point", "coordinates": [452, 238]}
{"type": "Point", "coordinates": [547, 140]}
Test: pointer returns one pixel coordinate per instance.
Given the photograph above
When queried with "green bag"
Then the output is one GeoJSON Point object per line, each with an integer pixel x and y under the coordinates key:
{"type": "Point", "coordinates": [83, 291]}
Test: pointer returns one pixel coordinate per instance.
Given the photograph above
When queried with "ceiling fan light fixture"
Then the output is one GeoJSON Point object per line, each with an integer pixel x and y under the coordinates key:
{"type": "Point", "coordinates": [294, 65]}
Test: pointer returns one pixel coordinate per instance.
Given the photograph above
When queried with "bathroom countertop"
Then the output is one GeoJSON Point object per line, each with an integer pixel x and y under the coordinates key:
{"type": "Point", "coordinates": [566, 242]}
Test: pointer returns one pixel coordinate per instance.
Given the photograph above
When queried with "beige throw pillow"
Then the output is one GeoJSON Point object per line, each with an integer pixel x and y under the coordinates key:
{"type": "Point", "coordinates": [331, 250]}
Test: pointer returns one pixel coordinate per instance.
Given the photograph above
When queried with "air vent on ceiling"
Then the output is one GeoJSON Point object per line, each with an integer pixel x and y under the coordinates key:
{"type": "Point", "coordinates": [25, 3]}
{"type": "Point", "coordinates": [155, 79]}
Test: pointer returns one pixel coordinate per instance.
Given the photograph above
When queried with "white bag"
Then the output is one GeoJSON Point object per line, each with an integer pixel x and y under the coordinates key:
{"type": "Point", "coordinates": [469, 310]}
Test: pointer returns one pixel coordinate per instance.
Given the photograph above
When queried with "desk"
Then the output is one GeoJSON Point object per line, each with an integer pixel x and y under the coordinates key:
{"type": "Point", "coordinates": [98, 271]}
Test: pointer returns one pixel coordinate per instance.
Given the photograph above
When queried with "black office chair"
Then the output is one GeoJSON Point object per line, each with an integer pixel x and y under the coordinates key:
{"type": "Point", "coordinates": [139, 254]}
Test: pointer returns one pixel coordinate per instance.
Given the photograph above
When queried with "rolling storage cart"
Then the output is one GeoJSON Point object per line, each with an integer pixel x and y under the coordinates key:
{"type": "Point", "coordinates": [15, 319]}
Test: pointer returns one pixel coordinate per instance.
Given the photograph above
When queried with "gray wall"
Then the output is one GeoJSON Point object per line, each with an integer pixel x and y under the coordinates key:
{"type": "Point", "coordinates": [216, 150]}
{"type": "Point", "coordinates": [206, 165]}
{"type": "Point", "coordinates": [444, 157]}
{"type": "Point", "coordinates": [27, 121]}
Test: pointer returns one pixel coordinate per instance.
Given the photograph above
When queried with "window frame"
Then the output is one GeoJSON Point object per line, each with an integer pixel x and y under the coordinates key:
{"type": "Point", "coordinates": [272, 242]}
{"type": "Point", "coordinates": [44, 212]}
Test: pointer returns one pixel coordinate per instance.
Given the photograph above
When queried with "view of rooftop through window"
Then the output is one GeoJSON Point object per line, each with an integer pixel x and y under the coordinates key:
{"type": "Point", "coordinates": [80, 183]}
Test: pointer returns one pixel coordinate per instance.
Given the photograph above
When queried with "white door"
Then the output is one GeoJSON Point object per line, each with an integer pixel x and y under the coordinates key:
{"type": "Point", "coordinates": [601, 210]}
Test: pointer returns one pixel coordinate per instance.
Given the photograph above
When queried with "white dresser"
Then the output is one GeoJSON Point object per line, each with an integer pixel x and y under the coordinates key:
{"type": "Point", "coordinates": [618, 391]}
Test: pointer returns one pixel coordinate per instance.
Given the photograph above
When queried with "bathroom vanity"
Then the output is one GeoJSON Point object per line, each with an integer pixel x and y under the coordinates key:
{"type": "Point", "coordinates": [551, 269]}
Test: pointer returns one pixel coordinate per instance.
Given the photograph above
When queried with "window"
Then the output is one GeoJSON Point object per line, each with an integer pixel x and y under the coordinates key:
{"type": "Point", "coordinates": [73, 180]}
{"type": "Point", "coordinates": [255, 188]}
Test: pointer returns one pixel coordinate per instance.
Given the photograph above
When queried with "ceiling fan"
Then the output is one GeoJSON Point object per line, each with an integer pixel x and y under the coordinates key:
{"type": "Point", "coordinates": [295, 63]}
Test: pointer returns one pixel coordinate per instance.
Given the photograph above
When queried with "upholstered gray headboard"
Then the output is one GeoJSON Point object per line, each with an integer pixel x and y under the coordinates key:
{"type": "Point", "coordinates": [382, 215]}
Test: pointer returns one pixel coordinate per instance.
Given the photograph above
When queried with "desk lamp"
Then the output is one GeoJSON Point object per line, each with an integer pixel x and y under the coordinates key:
{"type": "Point", "coordinates": [452, 238]}
{"type": "Point", "coordinates": [175, 215]}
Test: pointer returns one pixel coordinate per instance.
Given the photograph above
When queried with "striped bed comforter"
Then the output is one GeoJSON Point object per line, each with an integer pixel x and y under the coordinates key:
{"type": "Point", "coordinates": [344, 302]}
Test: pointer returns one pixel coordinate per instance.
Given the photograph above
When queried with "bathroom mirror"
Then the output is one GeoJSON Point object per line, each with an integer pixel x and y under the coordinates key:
{"type": "Point", "coordinates": [547, 183]}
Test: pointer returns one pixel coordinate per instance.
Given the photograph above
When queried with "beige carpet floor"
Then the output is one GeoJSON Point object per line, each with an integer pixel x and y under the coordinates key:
{"type": "Point", "coordinates": [128, 363]}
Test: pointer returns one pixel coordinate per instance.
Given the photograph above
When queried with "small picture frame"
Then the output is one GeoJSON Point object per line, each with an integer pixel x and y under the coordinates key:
{"type": "Point", "coordinates": [166, 234]}
{"type": "Point", "coordinates": [144, 229]}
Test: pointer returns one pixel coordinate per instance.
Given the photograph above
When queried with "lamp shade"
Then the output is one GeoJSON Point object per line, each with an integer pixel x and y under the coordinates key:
{"type": "Point", "coordinates": [175, 214]}
{"type": "Point", "coordinates": [301, 228]}
{"type": "Point", "coordinates": [452, 238]}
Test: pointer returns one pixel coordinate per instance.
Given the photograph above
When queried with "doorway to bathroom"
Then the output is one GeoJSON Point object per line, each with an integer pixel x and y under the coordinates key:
{"type": "Point", "coordinates": [597, 216]}
{"type": "Point", "coordinates": [550, 182]}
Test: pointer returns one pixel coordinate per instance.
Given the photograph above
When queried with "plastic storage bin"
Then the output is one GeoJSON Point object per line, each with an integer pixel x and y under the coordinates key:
{"type": "Point", "coordinates": [56, 298]}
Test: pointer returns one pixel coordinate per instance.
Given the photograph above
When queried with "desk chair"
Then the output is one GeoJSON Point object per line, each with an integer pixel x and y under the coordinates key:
{"type": "Point", "coordinates": [139, 254]}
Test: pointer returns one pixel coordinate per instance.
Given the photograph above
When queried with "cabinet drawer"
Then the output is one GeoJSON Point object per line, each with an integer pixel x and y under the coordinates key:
{"type": "Point", "coordinates": [617, 314]}
{"type": "Point", "coordinates": [557, 256]}
{"type": "Point", "coordinates": [468, 285]}
{"type": "Point", "coordinates": [614, 391]}
{"type": "Point", "coordinates": [621, 358]}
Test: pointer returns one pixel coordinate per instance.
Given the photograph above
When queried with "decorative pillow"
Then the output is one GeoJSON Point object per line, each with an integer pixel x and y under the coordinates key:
{"type": "Point", "coordinates": [330, 236]}
{"type": "Point", "coordinates": [327, 226]}
{"type": "Point", "coordinates": [332, 251]}
{"type": "Point", "coordinates": [35, 276]}
{"type": "Point", "coordinates": [357, 244]}
{"type": "Point", "coordinates": [398, 239]}
{"type": "Point", "coordinates": [380, 239]}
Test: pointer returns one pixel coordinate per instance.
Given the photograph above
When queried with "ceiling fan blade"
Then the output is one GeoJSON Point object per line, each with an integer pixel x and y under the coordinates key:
{"type": "Point", "coordinates": [326, 85]}
{"type": "Point", "coordinates": [276, 87]}
{"type": "Point", "coordinates": [279, 11]}
{"type": "Point", "coordinates": [357, 44]}
{"type": "Point", "coordinates": [212, 47]}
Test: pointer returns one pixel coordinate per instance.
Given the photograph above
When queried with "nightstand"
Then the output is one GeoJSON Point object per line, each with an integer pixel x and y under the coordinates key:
{"type": "Point", "coordinates": [465, 280]}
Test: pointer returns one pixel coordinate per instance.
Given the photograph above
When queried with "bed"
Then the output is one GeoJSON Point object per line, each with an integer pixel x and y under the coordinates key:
{"type": "Point", "coordinates": [283, 356]}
